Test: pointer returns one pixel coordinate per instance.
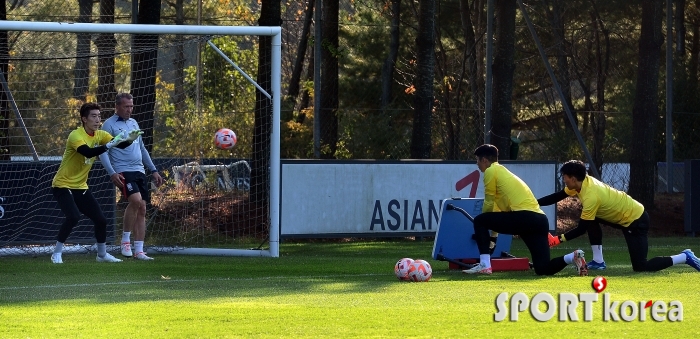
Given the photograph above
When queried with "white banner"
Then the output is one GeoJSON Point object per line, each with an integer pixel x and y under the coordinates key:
{"type": "Point", "coordinates": [368, 198]}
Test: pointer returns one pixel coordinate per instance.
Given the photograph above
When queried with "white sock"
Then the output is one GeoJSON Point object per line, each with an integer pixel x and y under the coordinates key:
{"type": "Point", "coordinates": [485, 259]}
{"type": "Point", "coordinates": [138, 247]}
{"type": "Point", "coordinates": [569, 258]}
{"type": "Point", "coordinates": [679, 258]}
{"type": "Point", "coordinates": [126, 237]}
{"type": "Point", "coordinates": [58, 248]}
{"type": "Point", "coordinates": [101, 249]}
{"type": "Point", "coordinates": [597, 253]}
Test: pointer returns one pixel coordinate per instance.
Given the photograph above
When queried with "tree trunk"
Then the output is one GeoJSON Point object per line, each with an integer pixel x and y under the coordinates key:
{"type": "Point", "coordinates": [503, 69]}
{"type": "Point", "coordinates": [390, 62]}
{"type": "Point", "coordinates": [685, 126]}
{"type": "Point", "coordinates": [646, 105]}
{"type": "Point", "coordinates": [602, 63]}
{"type": "Point", "coordinates": [329, 78]}
{"type": "Point", "coordinates": [305, 96]}
{"type": "Point", "coordinates": [106, 44]}
{"type": "Point", "coordinates": [294, 81]}
{"type": "Point", "coordinates": [143, 70]}
{"type": "Point", "coordinates": [179, 61]}
{"type": "Point", "coordinates": [81, 72]}
{"type": "Point", "coordinates": [450, 97]}
{"type": "Point", "coordinates": [4, 102]}
{"type": "Point", "coordinates": [694, 55]}
{"type": "Point", "coordinates": [478, 15]}
{"type": "Point", "coordinates": [270, 15]}
{"type": "Point", "coordinates": [680, 26]}
{"type": "Point", "coordinates": [421, 141]}
{"type": "Point", "coordinates": [471, 50]}
{"type": "Point", "coordinates": [476, 79]}
{"type": "Point", "coordinates": [563, 76]}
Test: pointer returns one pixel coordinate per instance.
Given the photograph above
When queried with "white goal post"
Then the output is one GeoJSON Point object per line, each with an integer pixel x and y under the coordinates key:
{"type": "Point", "coordinates": [23, 143]}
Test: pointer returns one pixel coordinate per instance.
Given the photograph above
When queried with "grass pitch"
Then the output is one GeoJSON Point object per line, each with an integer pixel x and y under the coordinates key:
{"type": "Point", "coordinates": [322, 289]}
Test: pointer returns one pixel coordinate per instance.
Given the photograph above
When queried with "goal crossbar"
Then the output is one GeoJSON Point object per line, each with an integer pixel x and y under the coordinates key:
{"type": "Point", "coordinates": [70, 27]}
{"type": "Point", "coordinates": [276, 54]}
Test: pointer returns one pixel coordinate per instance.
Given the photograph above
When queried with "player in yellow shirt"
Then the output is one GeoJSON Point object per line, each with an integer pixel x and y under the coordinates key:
{"type": "Point", "coordinates": [603, 204]}
{"type": "Point", "coordinates": [69, 186]}
{"type": "Point", "coordinates": [511, 208]}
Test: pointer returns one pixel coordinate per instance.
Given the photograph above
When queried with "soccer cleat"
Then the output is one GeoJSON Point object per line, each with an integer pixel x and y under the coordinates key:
{"type": "Point", "coordinates": [142, 256]}
{"type": "Point", "coordinates": [107, 258]}
{"type": "Point", "coordinates": [56, 258]}
{"type": "Point", "coordinates": [126, 249]}
{"type": "Point", "coordinates": [480, 269]}
{"type": "Point", "coordinates": [594, 265]}
{"type": "Point", "coordinates": [691, 259]}
{"type": "Point", "coordinates": [553, 241]}
{"type": "Point", "coordinates": [580, 263]}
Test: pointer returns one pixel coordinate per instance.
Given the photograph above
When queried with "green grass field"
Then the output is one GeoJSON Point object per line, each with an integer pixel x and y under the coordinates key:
{"type": "Point", "coordinates": [321, 289]}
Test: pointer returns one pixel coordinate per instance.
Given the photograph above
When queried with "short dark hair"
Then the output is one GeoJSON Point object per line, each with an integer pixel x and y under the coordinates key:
{"type": "Point", "coordinates": [87, 107]}
{"type": "Point", "coordinates": [120, 96]}
{"type": "Point", "coordinates": [574, 168]}
{"type": "Point", "coordinates": [488, 151]}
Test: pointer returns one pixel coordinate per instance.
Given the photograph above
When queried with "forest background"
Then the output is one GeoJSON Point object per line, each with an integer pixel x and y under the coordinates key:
{"type": "Point", "coordinates": [398, 80]}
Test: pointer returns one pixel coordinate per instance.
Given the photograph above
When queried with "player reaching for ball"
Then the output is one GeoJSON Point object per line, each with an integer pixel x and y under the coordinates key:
{"type": "Point", "coordinates": [602, 204]}
{"type": "Point", "coordinates": [511, 208]}
{"type": "Point", "coordinates": [70, 187]}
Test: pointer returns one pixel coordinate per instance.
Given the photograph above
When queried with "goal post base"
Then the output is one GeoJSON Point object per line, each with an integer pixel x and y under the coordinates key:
{"type": "Point", "coordinates": [222, 252]}
{"type": "Point", "coordinates": [85, 249]}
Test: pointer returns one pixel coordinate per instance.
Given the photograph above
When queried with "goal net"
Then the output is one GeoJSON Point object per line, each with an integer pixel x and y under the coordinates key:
{"type": "Point", "coordinates": [187, 82]}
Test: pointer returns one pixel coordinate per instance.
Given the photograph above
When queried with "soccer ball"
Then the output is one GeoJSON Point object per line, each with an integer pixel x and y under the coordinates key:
{"type": "Point", "coordinates": [401, 268]}
{"type": "Point", "coordinates": [225, 139]}
{"type": "Point", "coordinates": [420, 270]}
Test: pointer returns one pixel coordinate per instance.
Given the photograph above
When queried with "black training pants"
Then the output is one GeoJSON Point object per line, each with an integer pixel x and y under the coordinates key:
{"type": "Point", "coordinates": [636, 236]}
{"type": "Point", "coordinates": [75, 201]}
{"type": "Point", "coordinates": [532, 227]}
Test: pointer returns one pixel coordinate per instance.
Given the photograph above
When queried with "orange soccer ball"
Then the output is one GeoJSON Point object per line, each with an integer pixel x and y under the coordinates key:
{"type": "Point", "coordinates": [225, 139]}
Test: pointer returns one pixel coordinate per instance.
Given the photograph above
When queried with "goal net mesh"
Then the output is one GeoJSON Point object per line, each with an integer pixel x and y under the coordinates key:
{"type": "Point", "coordinates": [184, 91]}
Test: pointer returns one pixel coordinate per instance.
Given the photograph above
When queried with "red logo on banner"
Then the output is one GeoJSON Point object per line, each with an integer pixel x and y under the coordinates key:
{"type": "Point", "coordinates": [471, 179]}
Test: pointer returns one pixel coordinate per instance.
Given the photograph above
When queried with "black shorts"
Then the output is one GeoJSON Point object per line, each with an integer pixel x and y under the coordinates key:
{"type": "Point", "coordinates": [135, 182]}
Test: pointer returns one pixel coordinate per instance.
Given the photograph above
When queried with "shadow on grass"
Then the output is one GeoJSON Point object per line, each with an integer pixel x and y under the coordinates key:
{"type": "Point", "coordinates": [303, 268]}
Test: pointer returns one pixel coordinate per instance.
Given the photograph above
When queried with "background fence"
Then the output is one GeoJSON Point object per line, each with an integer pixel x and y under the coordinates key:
{"type": "Point", "coordinates": [592, 46]}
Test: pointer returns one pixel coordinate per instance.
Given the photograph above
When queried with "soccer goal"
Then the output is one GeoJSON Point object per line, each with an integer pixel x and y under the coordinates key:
{"type": "Point", "coordinates": [187, 82]}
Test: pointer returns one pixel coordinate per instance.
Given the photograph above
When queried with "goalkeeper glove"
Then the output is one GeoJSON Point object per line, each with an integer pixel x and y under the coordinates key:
{"type": "Point", "coordinates": [121, 137]}
{"type": "Point", "coordinates": [133, 134]}
{"type": "Point", "coordinates": [553, 241]}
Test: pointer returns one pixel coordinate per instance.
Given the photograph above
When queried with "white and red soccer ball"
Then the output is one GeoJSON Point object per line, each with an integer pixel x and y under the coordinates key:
{"type": "Point", "coordinates": [225, 139]}
{"type": "Point", "coordinates": [420, 271]}
{"type": "Point", "coordinates": [401, 268]}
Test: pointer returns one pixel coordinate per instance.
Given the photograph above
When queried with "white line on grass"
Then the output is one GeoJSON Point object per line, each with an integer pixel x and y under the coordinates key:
{"type": "Point", "coordinates": [319, 277]}
{"type": "Point", "coordinates": [324, 277]}
{"type": "Point", "coordinates": [616, 248]}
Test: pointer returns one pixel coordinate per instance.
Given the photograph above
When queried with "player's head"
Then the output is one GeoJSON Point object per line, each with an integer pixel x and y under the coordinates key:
{"type": "Point", "coordinates": [573, 172]}
{"type": "Point", "coordinates": [485, 155]}
{"type": "Point", "coordinates": [124, 105]}
{"type": "Point", "coordinates": [574, 168]}
{"type": "Point", "coordinates": [86, 109]}
{"type": "Point", "coordinates": [488, 151]}
{"type": "Point", "coordinates": [90, 116]}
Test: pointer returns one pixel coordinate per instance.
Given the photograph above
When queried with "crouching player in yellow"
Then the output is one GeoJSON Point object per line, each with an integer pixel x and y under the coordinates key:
{"type": "Point", "coordinates": [511, 208]}
{"type": "Point", "coordinates": [603, 204]}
